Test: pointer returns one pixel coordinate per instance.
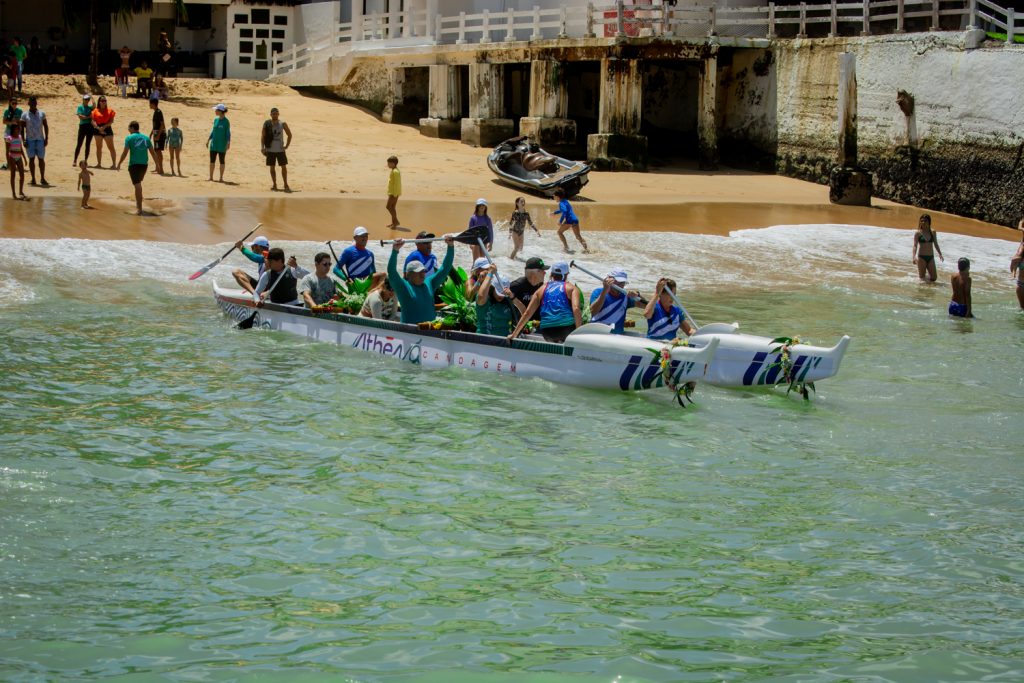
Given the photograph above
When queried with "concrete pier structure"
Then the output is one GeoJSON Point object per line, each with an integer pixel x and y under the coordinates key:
{"type": "Point", "coordinates": [548, 123]}
{"type": "Point", "coordinates": [707, 115]}
{"type": "Point", "coordinates": [618, 144]}
{"type": "Point", "coordinates": [444, 103]}
{"type": "Point", "coordinates": [486, 124]}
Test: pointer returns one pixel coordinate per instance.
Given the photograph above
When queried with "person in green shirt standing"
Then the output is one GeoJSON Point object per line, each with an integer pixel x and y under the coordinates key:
{"type": "Point", "coordinates": [140, 147]}
{"type": "Point", "coordinates": [20, 53]}
{"type": "Point", "coordinates": [219, 141]}
{"type": "Point", "coordinates": [85, 128]}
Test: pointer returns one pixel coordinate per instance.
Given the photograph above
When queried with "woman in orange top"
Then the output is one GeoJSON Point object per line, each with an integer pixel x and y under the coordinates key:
{"type": "Point", "coordinates": [103, 121]}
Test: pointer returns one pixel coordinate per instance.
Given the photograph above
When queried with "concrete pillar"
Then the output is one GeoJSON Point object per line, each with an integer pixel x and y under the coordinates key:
{"type": "Point", "coordinates": [357, 20]}
{"type": "Point", "coordinates": [485, 125]}
{"type": "Point", "coordinates": [444, 103]}
{"type": "Point", "coordinates": [395, 109]}
{"type": "Point", "coordinates": [848, 184]}
{"type": "Point", "coordinates": [549, 105]}
{"type": "Point", "coordinates": [618, 144]}
{"type": "Point", "coordinates": [707, 120]}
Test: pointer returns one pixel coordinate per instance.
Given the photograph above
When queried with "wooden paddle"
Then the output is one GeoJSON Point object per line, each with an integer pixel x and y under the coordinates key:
{"type": "Point", "coordinates": [468, 237]}
{"type": "Point", "coordinates": [205, 269]}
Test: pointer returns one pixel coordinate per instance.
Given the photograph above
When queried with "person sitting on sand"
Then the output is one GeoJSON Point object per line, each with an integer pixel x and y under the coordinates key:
{"type": "Point", "coordinates": [278, 282]}
{"type": "Point", "coordinates": [664, 318]}
{"type": "Point", "coordinates": [317, 288]}
{"type": "Point", "coordinates": [960, 306]}
{"type": "Point", "coordinates": [356, 261]}
{"type": "Point", "coordinates": [256, 253]}
{"type": "Point", "coordinates": [559, 306]}
{"type": "Point", "coordinates": [608, 306]}
{"type": "Point", "coordinates": [144, 80]}
{"type": "Point", "coordinates": [926, 245]}
{"type": "Point", "coordinates": [381, 303]}
{"type": "Point", "coordinates": [415, 291]}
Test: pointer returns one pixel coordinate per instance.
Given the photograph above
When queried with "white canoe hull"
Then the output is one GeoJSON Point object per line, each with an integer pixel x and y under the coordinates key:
{"type": "Point", "coordinates": [594, 360]}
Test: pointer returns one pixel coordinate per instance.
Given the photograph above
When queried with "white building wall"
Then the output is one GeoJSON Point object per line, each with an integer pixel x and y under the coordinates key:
{"type": "Point", "coordinates": [316, 20]}
{"type": "Point", "coordinates": [254, 34]}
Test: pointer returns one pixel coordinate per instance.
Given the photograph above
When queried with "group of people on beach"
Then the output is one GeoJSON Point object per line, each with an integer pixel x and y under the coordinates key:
{"type": "Point", "coordinates": [503, 308]}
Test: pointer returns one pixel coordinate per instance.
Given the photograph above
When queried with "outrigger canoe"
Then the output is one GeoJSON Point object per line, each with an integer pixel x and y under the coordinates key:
{"type": "Point", "coordinates": [589, 358]}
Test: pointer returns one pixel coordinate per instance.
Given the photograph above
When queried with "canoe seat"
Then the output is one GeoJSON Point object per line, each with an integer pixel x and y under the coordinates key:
{"type": "Point", "coordinates": [535, 161]}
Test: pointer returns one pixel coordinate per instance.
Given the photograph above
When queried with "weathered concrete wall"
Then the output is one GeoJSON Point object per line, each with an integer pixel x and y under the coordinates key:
{"type": "Point", "coordinates": [968, 117]}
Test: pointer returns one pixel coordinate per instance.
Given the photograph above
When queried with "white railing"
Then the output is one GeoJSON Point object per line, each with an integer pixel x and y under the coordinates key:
{"type": "Point", "coordinates": [657, 18]}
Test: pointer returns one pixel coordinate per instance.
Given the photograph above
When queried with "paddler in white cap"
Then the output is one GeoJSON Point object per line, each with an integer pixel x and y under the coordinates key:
{"type": "Point", "coordinates": [608, 305]}
{"type": "Point", "coordinates": [255, 252]}
{"type": "Point", "coordinates": [356, 261]}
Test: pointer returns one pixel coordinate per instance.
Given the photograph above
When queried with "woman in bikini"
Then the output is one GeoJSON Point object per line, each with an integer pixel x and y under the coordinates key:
{"type": "Point", "coordinates": [1017, 268]}
{"type": "Point", "coordinates": [926, 245]}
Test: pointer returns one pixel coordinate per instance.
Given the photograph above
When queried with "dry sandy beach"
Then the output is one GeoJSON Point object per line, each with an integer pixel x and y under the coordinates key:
{"type": "Point", "coordinates": [338, 171]}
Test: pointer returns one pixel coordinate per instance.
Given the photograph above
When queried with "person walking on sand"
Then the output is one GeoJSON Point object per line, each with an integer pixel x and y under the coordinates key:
{"type": "Point", "coordinates": [567, 219]}
{"type": "Point", "coordinates": [37, 137]}
{"type": "Point", "coordinates": [960, 305]}
{"type": "Point", "coordinates": [274, 141]}
{"type": "Point", "coordinates": [103, 123]}
{"type": "Point", "coordinates": [1017, 268]}
{"type": "Point", "coordinates": [175, 139]}
{"type": "Point", "coordinates": [394, 190]}
{"type": "Point", "coordinates": [15, 160]}
{"type": "Point", "coordinates": [140, 147]}
{"type": "Point", "coordinates": [517, 226]}
{"type": "Point", "coordinates": [158, 134]}
{"type": "Point", "coordinates": [219, 141]}
{"type": "Point", "coordinates": [926, 245]}
{"type": "Point", "coordinates": [85, 182]}
{"type": "Point", "coordinates": [85, 127]}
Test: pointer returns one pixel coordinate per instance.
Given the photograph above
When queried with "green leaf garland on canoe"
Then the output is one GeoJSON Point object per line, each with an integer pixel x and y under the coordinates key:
{"type": "Point", "coordinates": [663, 357]}
{"type": "Point", "coordinates": [784, 347]}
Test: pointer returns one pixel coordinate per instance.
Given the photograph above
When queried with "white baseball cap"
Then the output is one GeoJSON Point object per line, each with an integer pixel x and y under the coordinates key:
{"type": "Point", "coordinates": [220, 107]}
{"type": "Point", "coordinates": [500, 283]}
{"type": "Point", "coordinates": [480, 263]}
{"type": "Point", "coordinates": [619, 275]}
{"type": "Point", "coordinates": [360, 231]}
{"type": "Point", "coordinates": [415, 267]}
{"type": "Point", "coordinates": [481, 202]}
{"type": "Point", "coordinates": [560, 268]}
{"type": "Point", "coordinates": [261, 242]}
{"type": "Point", "coordinates": [86, 96]}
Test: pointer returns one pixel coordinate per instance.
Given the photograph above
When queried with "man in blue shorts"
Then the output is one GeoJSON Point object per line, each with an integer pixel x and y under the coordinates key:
{"type": "Point", "coordinates": [37, 137]}
{"type": "Point", "coordinates": [356, 262]}
{"type": "Point", "coordinates": [960, 306]}
{"type": "Point", "coordinates": [140, 147]}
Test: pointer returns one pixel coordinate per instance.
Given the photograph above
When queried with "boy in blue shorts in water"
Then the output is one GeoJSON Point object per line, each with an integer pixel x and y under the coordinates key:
{"type": "Point", "coordinates": [960, 306]}
{"type": "Point", "coordinates": [567, 220]}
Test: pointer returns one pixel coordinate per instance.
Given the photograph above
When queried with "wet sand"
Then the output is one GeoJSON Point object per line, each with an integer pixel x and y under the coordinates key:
{"type": "Point", "coordinates": [206, 220]}
{"type": "Point", "coordinates": [338, 169]}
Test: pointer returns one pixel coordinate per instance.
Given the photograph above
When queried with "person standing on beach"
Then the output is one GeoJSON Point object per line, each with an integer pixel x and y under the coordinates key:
{"type": "Point", "coordinates": [219, 141]}
{"type": "Point", "coordinates": [140, 147]}
{"type": "Point", "coordinates": [85, 182]}
{"type": "Point", "coordinates": [103, 123]}
{"type": "Point", "coordinates": [394, 190]}
{"type": "Point", "coordinates": [37, 137]}
{"type": "Point", "coordinates": [20, 53]}
{"type": "Point", "coordinates": [273, 144]}
{"type": "Point", "coordinates": [1017, 268]}
{"type": "Point", "coordinates": [15, 160]}
{"type": "Point", "coordinates": [926, 245]}
{"type": "Point", "coordinates": [567, 219]}
{"type": "Point", "coordinates": [158, 134]}
{"type": "Point", "coordinates": [960, 305]}
{"type": "Point", "coordinates": [479, 218]}
{"type": "Point", "coordinates": [175, 139]}
{"type": "Point", "coordinates": [85, 128]}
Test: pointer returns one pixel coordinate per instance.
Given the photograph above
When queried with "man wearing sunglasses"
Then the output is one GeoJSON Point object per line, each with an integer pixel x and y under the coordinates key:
{"type": "Point", "coordinates": [317, 288]}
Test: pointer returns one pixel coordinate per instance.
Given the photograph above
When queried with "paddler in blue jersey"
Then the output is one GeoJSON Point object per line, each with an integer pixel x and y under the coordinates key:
{"type": "Point", "coordinates": [559, 305]}
{"type": "Point", "coordinates": [255, 252]}
{"type": "Point", "coordinates": [356, 262]}
{"type": "Point", "coordinates": [415, 291]}
{"type": "Point", "coordinates": [664, 318]}
{"type": "Point", "coordinates": [609, 306]}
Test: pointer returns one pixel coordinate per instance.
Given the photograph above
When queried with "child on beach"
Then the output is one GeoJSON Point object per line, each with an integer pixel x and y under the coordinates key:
{"type": "Point", "coordinates": [85, 182]}
{"type": "Point", "coordinates": [394, 189]}
{"type": "Point", "coordinates": [567, 220]}
{"type": "Point", "coordinates": [175, 138]}
{"type": "Point", "coordinates": [960, 305]}
{"type": "Point", "coordinates": [517, 225]}
{"type": "Point", "coordinates": [15, 160]}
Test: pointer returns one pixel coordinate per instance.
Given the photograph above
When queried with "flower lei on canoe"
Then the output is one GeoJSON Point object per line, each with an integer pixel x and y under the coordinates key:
{"type": "Point", "coordinates": [784, 346]}
{"type": "Point", "coordinates": [663, 357]}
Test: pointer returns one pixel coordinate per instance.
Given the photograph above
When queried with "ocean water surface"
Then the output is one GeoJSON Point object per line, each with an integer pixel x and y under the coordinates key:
{"type": "Point", "coordinates": [184, 501]}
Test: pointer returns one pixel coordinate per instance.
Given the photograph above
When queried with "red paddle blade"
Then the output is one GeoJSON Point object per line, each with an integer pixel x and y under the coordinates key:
{"type": "Point", "coordinates": [203, 270]}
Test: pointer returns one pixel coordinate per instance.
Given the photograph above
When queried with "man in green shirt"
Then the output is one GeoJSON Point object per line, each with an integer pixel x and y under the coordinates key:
{"type": "Point", "coordinates": [20, 53]}
{"type": "Point", "coordinates": [416, 290]}
{"type": "Point", "coordinates": [140, 147]}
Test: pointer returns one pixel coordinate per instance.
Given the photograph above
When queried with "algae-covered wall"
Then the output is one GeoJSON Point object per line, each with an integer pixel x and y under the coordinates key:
{"type": "Point", "coordinates": [959, 150]}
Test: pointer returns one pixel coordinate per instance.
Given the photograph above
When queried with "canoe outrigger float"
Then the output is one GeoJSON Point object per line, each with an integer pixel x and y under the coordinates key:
{"type": "Point", "coordinates": [590, 357]}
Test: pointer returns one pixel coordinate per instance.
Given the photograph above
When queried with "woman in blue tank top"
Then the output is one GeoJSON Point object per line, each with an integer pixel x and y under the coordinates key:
{"type": "Point", "coordinates": [559, 304]}
{"type": "Point", "coordinates": [664, 318]}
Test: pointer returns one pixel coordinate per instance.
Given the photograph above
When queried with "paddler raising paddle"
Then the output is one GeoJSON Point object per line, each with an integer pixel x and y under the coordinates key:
{"type": "Point", "coordinates": [415, 291]}
{"type": "Point", "coordinates": [664, 318]}
{"type": "Point", "coordinates": [257, 253]}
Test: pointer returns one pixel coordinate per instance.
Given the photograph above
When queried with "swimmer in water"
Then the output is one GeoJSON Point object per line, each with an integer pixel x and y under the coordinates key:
{"type": "Point", "coordinates": [960, 306]}
{"type": "Point", "coordinates": [926, 245]}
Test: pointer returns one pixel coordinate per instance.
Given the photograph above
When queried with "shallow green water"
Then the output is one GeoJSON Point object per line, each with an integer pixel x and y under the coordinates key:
{"type": "Point", "coordinates": [181, 500]}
